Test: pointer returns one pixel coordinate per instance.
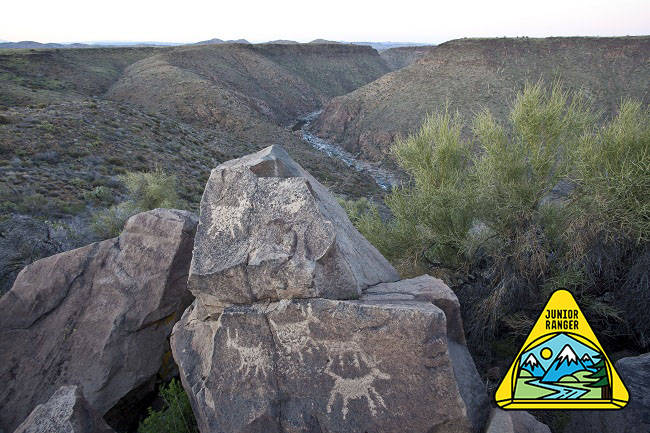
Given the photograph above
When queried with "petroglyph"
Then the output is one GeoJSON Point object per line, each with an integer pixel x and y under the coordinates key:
{"type": "Point", "coordinates": [228, 217]}
{"type": "Point", "coordinates": [252, 359]}
{"type": "Point", "coordinates": [356, 388]}
{"type": "Point", "coordinates": [295, 337]}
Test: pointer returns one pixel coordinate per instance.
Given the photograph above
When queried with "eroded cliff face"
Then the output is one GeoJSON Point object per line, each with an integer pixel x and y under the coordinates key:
{"type": "Point", "coordinates": [473, 74]}
{"type": "Point", "coordinates": [299, 324]}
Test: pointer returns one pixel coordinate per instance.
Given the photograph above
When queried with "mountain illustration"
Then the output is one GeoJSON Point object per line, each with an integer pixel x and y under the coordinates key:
{"type": "Point", "coordinates": [532, 365]}
{"type": "Point", "coordinates": [588, 362]}
{"type": "Point", "coordinates": [566, 363]}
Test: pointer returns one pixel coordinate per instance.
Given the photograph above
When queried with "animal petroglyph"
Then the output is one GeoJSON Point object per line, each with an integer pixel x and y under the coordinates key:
{"type": "Point", "coordinates": [356, 388]}
{"type": "Point", "coordinates": [295, 337]}
{"type": "Point", "coordinates": [228, 217]}
{"type": "Point", "coordinates": [252, 359]}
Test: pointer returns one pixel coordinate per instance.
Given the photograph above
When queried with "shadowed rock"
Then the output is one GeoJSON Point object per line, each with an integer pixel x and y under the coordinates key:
{"type": "Point", "coordinates": [97, 317]}
{"type": "Point", "coordinates": [67, 411]}
{"type": "Point", "coordinates": [316, 365]}
{"type": "Point", "coordinates": [268, 230]}
{"type": "Point", "coordinates": [635, 373]}
{"type": "Point", "coordinates": [517, 421]}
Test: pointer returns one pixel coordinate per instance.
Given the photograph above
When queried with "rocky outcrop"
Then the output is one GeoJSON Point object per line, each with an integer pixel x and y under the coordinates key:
{"type": "Point", "coordinates": [97, 317]}
{"type": "Point", "coordinates": [268, 230]}
{"type": "Point", "coordinates": [635, 373]}
{"type": "Point", "coordinates": [299, 326]}
{"type": "Point", "coordinates": [516, 421]}
{"type": "Point", "coordinates": [67, 411]}
{"type": "Point", "coordinates": [375, 364]}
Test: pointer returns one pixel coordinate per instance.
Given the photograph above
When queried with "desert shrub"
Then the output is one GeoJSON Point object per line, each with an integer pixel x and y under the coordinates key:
{"type": "Point", "coordinates": [34, 203]}
{"type": "Point", "coordinates": [100, 194]}
{"type": "Point", "coordinates": [151, 190]}
{"type": "Point", "coordinates": [145, 191]}
{"type": "Point", "coordinates": [108, 223]}
{"type": "Point", "coordinates": [554, 198]}
{"type": "Point", "coordinates": [176, 417]}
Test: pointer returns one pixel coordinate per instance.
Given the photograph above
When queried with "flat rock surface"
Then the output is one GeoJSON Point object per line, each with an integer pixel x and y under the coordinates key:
{"type": "Point", "coordinates": [97, 317]}
{"type": "Point", "coordinates": [268, 230]}
{"type": "Point", "coordinates": [317, 365]}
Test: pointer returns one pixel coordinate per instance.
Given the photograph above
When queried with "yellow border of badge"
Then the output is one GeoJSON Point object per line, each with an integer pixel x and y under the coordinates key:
{"type": "Point", "coordinates": [561, 299]}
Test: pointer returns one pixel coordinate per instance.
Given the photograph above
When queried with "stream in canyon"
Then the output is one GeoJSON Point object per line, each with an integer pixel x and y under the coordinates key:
{"type": "Point", "coordinates": [386, 179]}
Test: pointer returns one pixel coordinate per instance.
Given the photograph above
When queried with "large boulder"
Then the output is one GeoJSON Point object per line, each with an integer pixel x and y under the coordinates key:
{"type": "Point", "coordinates": [635, 417]}
{"type": "Point", "coordinates": [390, 361]}
{"type": "Point", "coordinates": [67, 411]}
{"type": "Point", "coordinates": [268, 230]}
{"type": "Point", "coordinates": [97, 317]}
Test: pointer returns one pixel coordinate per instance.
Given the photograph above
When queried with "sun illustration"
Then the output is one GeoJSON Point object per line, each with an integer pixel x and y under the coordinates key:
{"type": "Point", "coordinates": [546, 353]}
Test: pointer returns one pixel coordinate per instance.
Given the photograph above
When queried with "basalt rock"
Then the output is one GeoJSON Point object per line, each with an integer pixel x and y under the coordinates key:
{"type": "Point", "coordinates": [268, 230]}
{"type": "Point", "coordinates": [391, 361]}
{"type": "Point", "coordinates": [67, 411]}
{"type": "Point", "coordinates": [97, 317]}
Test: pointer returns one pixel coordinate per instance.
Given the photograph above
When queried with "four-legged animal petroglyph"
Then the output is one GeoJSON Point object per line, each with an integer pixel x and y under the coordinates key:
{"type": "Point", "coordinates": [252, 359]}
{"type": "Point", "coordinates": [355, 388]}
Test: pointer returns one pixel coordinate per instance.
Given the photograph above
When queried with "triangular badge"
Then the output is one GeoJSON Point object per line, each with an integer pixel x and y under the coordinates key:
{"type": "Point", "coordinates": [562, 365]}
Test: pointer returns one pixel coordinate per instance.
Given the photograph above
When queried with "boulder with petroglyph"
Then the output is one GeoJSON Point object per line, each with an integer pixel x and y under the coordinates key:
{"type": "Point", "coordinates": [268, 230]}
{"type": "Point", "coordinates": [390, 361]}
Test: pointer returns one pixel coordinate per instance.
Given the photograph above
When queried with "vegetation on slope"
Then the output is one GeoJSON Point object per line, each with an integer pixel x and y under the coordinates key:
{"type": "Point", "coordinates": [549, 199]}
{"type": "Point", "coordinates": [401, 57]}
{"type": "Point", "coordinates": [474, 73]}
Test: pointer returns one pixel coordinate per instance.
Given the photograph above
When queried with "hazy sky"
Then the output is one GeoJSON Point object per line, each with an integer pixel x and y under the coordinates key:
{"type": "Point", "coordinates": [349, 20]}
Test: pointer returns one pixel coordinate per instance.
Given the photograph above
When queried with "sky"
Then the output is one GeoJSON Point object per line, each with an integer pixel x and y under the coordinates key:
{"type": "Point", "coordinates": [340, 20]}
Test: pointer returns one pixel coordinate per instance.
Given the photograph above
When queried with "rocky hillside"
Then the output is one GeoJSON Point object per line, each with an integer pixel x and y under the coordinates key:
{"type": "Point", "coordinates": [238, 86]}
{"type": "Point", "coordinates": [401, 57]}
{"type": "Point", "coordinates": [472, 74]}
{"type": "Point", "coordinates": [73, 120]}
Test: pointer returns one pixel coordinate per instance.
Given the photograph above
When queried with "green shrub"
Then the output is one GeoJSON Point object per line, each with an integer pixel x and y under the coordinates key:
{"type": "Point", "coordinates": [146, 191]}
{"type": "Point", "coordinates": [151, 190]}
{"type": "Point", "coordinates": [100, 194]}
{"type": "Point", "coordinates": [108, 223]}
{"type": "Point", "coordinates": [550, 200]}
{"type": "Point", "coordinates": [176, 417]}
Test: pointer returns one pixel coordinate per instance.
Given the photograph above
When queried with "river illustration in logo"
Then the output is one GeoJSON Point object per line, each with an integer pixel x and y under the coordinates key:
{"type": "Point", "coordinates": [561, 365]}
{"type": "Point", "coordinates": [561, 368]}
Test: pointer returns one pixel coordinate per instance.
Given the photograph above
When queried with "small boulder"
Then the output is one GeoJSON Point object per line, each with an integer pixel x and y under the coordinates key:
{"type": "Point", "coordinates": [98, 317]}
{"type": "Point", "coordinates": [67, 411]}
{"type": "Point", "coordinates": [268, 230]}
